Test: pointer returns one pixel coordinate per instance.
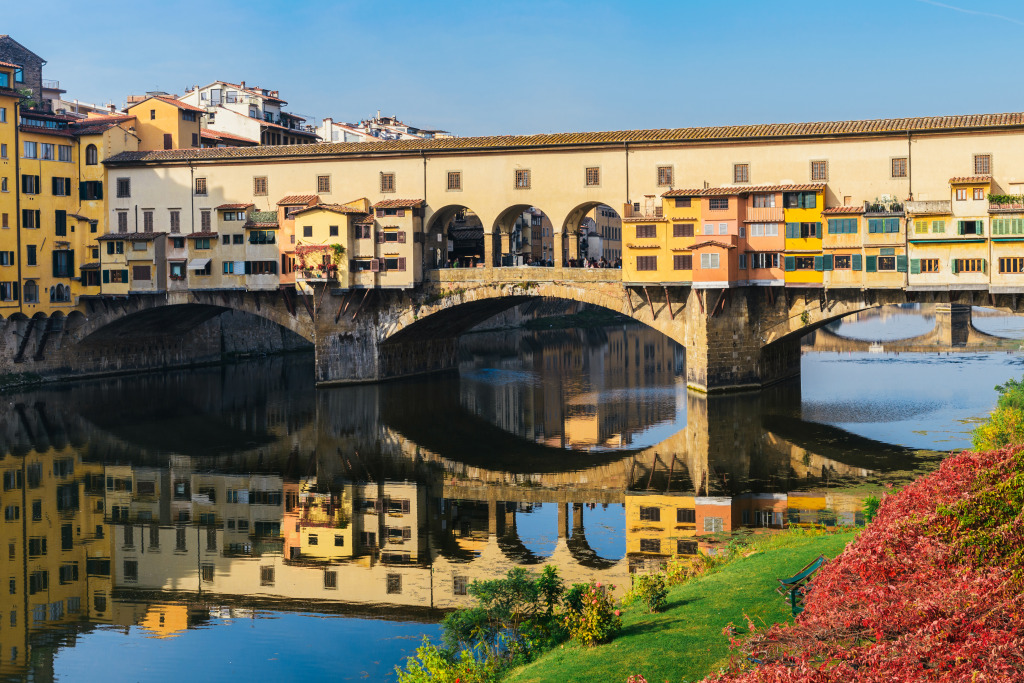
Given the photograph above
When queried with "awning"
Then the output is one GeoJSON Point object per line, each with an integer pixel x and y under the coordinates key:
{"type": "Point", "coordinates": [198, 263]}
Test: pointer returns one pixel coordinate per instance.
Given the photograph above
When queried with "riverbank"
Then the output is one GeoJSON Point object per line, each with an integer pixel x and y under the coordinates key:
{"type": "Point", "coordinates": [685, 642]}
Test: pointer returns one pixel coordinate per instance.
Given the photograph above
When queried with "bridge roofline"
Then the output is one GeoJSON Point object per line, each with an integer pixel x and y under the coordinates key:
{"type": "Point", "coordinates": [661, 136]}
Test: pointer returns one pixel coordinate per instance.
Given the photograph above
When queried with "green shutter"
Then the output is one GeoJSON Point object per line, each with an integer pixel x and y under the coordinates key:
{"type": "Point", "coordinates": [887, 251]}
{"type": "Point", "coordinates": [984, 266]}
{"type": "Point", "coordinates": [817, 229]}
{"type": "Point", "coordinates": [872, 265]}
{"type": "Point", "coordinates": [819, 263]}
{"type": "Point", "coordinates": [124, 275]}
{"type": "Point", "coordinates": [828, 261]}
{"type": "Point", "coordinates": [959, 227]}
{"type": "Point", "coordinates": [791, 263]}
{"type": "Point", "coordinates": [901, 264]}
{"type": "Point", "coordinates": [792, 230]}
{"type": "Point", "coordinates": [915, 266]}
{"type": "Point", "coordinates": [856, 261]}
{"type": "Point", "coordinates": [980, 229]}
{"type": "Point", "coordinates": [106, 277]}
{"type": "Point", "coordinates": [953, 266]}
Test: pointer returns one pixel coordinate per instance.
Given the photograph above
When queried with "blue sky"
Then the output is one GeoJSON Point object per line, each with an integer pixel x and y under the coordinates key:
{"type": "Point", "coordinates": [494, 67]}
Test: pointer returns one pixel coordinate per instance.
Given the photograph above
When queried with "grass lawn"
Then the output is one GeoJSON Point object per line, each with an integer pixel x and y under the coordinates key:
{"type": "Point", "coordinates": [685, 642]}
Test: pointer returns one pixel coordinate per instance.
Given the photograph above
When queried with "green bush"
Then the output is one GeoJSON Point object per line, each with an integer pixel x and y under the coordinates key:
{"type": "Point", "coordinates": [871, 504]}
{"type": "Point", "coordinates": [434, 665]}
{"type": "Point", "coordinates": [598, 620]}
{"type": "Point", "coordinates": [1005, 426]}
{"type": "Point", "coordinates": [649, 589]}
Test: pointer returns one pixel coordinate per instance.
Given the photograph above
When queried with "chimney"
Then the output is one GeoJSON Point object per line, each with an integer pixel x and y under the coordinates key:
{"type": "Point", "coordinates": [378, 114]}
{"type": "Point", "coordinates": [112, 107]}
{"type": "Point", "coordinates": [241, 84]}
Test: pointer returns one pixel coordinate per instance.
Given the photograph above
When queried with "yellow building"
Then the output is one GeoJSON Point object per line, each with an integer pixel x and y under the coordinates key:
{"type": "Point", "coordinates": [804, 261]}
{"type": "Point", "coordinates": [325, 234]}
{"type": "Point", "coordinates": [885, 251]}
{"type": "Point", "coordinates": [1007, 243]}
{"type": "Point", "coordinates": [10, 263]}
{"type": "Point", "coordinates": [645, 254]}
{"type": "Point", "coordinates": [842, 246]}
{"type": "Point", "coordinates": [166, 123]}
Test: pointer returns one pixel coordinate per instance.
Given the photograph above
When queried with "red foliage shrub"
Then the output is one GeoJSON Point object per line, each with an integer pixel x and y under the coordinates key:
{"type": "Point", "coordinates": [904, 602]}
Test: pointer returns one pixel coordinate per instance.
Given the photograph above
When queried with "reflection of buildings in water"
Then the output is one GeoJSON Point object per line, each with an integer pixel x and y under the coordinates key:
{"type": "Point", "coordinates": [580, 392]}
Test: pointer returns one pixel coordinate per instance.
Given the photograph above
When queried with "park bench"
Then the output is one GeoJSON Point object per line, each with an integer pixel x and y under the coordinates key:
{"type": "Point", "coordinates": [795, 586]}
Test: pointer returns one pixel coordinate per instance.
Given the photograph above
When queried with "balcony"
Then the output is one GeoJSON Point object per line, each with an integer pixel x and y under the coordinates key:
{"type": "Point", "coordinates": [653, 213]}
{"type": "Point", "coordinates": [927, 208]}
{"type": "Point", "coordinates": [765, 214]}
{"type": "Point", "coordinates": [51, 85]}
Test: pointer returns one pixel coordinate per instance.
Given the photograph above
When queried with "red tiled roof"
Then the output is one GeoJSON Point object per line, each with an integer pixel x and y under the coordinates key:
{"type": "Point", "coordinates": [334, 208]}
{"type": "Point", "coordinates": [770, 131]}
{"type": "Point", "coordinates": [970, 179]}
{"type": "Point", "coordinates": [221, 135]}
{"type": "Point", "coordinates": [745, 189]}
{"type": "Point", "coordinates": [290, 130]}
{"type": "Point", "coordinates": [225, 207]}
{"type": "Point", "coordinates": [131, 236]}
{"type": "Point", "coordinates": [200, 235]}
{"type": "Point", "coordinates": [712, 243]}
{"type": "Point", "coordinates": [169, 100]}
{"type": "Point", "coordinates": [399, 204]}
{"type": "Point", "coordinates": [364, 220]}
{"type": "Point", "coordinates": [841, 210]}
{"type": "Point", "coordinates": [104, 118]}
{"type": "Point", "coordinates": [13, 66]}
{"type": "Point", "coordinates": [298, 199]}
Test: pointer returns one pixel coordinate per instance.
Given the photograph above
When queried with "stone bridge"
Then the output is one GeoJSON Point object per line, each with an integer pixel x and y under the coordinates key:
{"type": "Point", "coordinates": [735, 338]}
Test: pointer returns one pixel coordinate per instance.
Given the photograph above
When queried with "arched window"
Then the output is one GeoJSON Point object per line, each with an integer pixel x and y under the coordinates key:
{"type": "Point", "coordinates": [31, 292]}
{"type": "Point", "coordinates": [91, 156]}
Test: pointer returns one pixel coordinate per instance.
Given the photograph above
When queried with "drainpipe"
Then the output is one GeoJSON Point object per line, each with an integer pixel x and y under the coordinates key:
{"type": "Point", "coordinates": [910, 171]}
{"type": "Point", "coordinates": [17, 200]}
{"type": "Point", "coordinates": [625, 145]}
{"type": "Point", "coordinates": [192, 195]}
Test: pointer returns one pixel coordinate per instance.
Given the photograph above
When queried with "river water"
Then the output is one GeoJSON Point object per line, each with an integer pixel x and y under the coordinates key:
{"type": "Point", "coordinates": [234, 521]}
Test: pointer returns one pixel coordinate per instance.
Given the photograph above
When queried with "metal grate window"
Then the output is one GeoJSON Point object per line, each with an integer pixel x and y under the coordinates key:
{"type": "Point", "coordinates": [454, 180]}
{"type": "Point", "coordinates": [899, 167]}
{"type": "Point", "coordinates": [523, 179]}
{"type": "Point", "coordinates": [819, 171]}
{"type": "Point", "coordinates": [741, 173]}
{"type": "Point", "coordinates": [259, 186]}
{"type": "Point", "coordinates": [664, 176]}
{"type": "Point", "coordinates": [982, 164]}
{"type": "Point", "coordinates": [387, 182]}
{"type": "Point", "coordinates": [593, 176]}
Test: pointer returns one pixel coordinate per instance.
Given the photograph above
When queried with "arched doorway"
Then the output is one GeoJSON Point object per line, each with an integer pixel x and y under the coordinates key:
{"type": "Point", "coordinates": [592, 235]}
{"type": "Point", "coordinates": [454, 239]}
{"type": "Point", "coordinates": [523, 236]}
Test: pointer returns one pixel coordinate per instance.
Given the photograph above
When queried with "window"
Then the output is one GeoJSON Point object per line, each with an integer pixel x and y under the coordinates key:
{"type": "Point", "coordinates": [60, 222]}
{"type": "Point", "coordinates": [266, 576]}
{"type": "Point", "coordinates": [926, 265]}
{"type": "Point", "coordinates": [124, 187]}
{"type": "Point", "coordinates": [682, 229]}
{"type": "Point", "coordinates": [460, 585]}
{"type": "Point", "coordinates": [799, 263]}
{"type": "Point", "coordinates": [803, 230]}
{"type": "Point", "coordinates": [201, 243]}
{"type": "Point", "coordinates": [454, 180]}
{"type": "Point", "coordinates": [31, 150]}
{"type": "Point", "coordinates": [742, 262]}
{"type": "Point", "coordinates": [314, 539]}
{"type": "Point", "coordinates": [683, 202]}
{"type": "Point", "coordinates": [205, 217]}
{"type": "Point", "coordinates": [664, 176]}
{"type": "Point", "coordinates": [330, 580]}
{"type": "Point", "coordinates": [332, 231]}
{"type": "Point", "coordinates": [718, 203]}
{"type": "Point", "coordinates": [741, 173]}
{"type": "Point", "coordinates": [339, 541]}
{"type": "Point", "coordinates": [262, 237]}
{"type": "Point", "coordinates": [899, 167]}
{"type": "Point", "coordinates": [961, 194]}
{"type": "Point", "coordinates": [147, 220]}
{"type": "Point", "coordinates": [200, 185]}
{"type": "Point", "coordinates": [307, 231]}
{"type": "Point", "coordinates": [982, 164]}
{"type": "Point", "coordinates": [61, 187]}
{"type": "Point", "coordinates": [682, 262]}
{"type": "Point", "coordinates": [64, 152]}
{"type": "Point", "coordinates": [764, 229]}
{"type": "Point", "coordinates": [646, 262]}
{"type": "Point", "coordinates": [887, 263]}
{"type": "Point", "coordinates": [175, 216]}
{"type": "Point", "coordinates": [30, 184]}
{"type": "Point", "coordinates": [91, 156]}
{"type": "Point", "coordinates": [122, 225]}
{"type": "Point", "coordinates": [970, 228]}
{"type": "Point", "coordinates": [650, 545]}
{"type": "Point", "coordinates": [592, 176]}
{"type": "Point", "coordinates": [30, 255]}
{"type": "Point", "coordinates": [939, 226]}
{"type": "Point", "coordinates": [168, 141]}
{"type": "Point", "coordinates": [142, 273]}
{"type": "Point", "coordinates": [259, 186]}
{"type": "Point", "coordinates": [713, 525]}
{"type": "Point", "coordinates": [686, 547]}
{"type": "Point", "coordinates": [723, 228]}
{"type": "Point", "coordinates": [650, 514]}
{"type": "Point", "coordinates": [919, 227]}
{"type": "Point", "coordinates": [323, 184]}
{"type": "Point", "coordinates": [819, 171]}
{"type": "Point", "coordinates": [207, 573]}
{"type": "Point", "coordinates": [3, 151]}
{"type": "Point", "coordinates": [709, 261]}
{"type": "Point", "coordinates": [979, 193]}
{"type": "Point", "coordinates": [762, 260]}
{"type": "Point", "coordinates": [46, 151]}
{"type": "Point", "coordinates": [238, 239]}
{"type": "Point", "coordinates": [841, 262]}
{"type": "Point", "coordinates": [90, 189]}
{"type": "Point", "coordinates": [842, 226]}
{"type": "Point", "coordinates": [387, 182]}
{"type": "Point", "coordinates": [645, 231]}
{"type": "Point", "coordinates": [63, 263]}
{"type": "Point", "coordinates": [394, 584]}
{"type": "Point", "coordinates": [764, 201]}
{"type": "Point", "coordinates": [686, 516]}
{"type": "Point", "coordinates": [522, 179]}
{"type": "Point", "coordinates": [968, 265]}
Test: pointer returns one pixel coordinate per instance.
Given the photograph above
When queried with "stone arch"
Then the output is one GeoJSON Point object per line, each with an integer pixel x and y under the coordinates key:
{"type": "Point", "coordinates": [570, 228]}
{"type": "Point", "coordinates": [512, 238]}
{"type": "Point", "coordinates": [438, 234]}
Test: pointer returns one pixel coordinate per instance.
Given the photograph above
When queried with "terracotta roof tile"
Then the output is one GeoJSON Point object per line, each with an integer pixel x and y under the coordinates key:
{"type": "Point", "coordinates": [131, 236]}
{"type": "Point", "coordinates": [367, 219]}
{"type": "Point", "coordinates": [225, 207]}
{"type": "Point", "coordinates": [889, 127]}
{"type": "Point", "coordinates": [200, 235]}
{"type": "Point", "coordinates": [970, 179]}
{"type": "Point", "coordinates": [842, 210]}
{"type": "Point", "coordinates": [298, 199]}
{"type": "Point", "coordinates": [8, 64]}
{"type": "Point", "coordinates": [333, 208]}
{"type": "Point", "coordinates": [683, 193]}
{"type": "Point", "coordinates": [211, 134]}
{"type": "Point", "coordinates": [398, 204]}
{"type": "Point", "coordinates": [170, 100]}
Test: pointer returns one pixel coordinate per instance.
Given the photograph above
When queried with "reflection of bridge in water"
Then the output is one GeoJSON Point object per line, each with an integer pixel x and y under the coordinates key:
{"type": "Point", "coordinates": [953, 332]}
{"type": "Point", "coordinates": [238, 487]}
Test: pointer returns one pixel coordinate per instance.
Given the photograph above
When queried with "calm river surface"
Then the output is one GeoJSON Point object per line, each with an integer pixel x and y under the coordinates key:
{"type": "Point", "coordinates": [234, 521]}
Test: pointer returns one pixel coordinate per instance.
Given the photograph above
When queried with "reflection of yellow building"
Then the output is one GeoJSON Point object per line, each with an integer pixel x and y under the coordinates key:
{"type": "Point", "coordinates": [165, 620]}
{"type": "Point", "coordinates": [661, 524]}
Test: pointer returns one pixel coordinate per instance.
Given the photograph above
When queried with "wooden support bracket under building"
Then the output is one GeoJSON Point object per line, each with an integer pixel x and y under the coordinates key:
{"type": "Point", "coordinates": [671, 468]}
{"type": "Point", "coordinates": [309, 309]}
{"type": "Point", "coordinates": [714, 309]}
{"type": "Point", "coordinates": [700, 300]}
{"type": "Point", "coordinates": [649, 302]}
{"type": "Point", "coordinates": [341, 307]}
{"type": "Point", "coordinates": [256, 297]}
{"type": "Point", "coordinates": [669, 302]}
{"type": "Point", "coordinates": [654, 466]}
{"type": "Point", "coordinates": [361, 302]}
{"type": "Point", "coordinates": [289, 300]}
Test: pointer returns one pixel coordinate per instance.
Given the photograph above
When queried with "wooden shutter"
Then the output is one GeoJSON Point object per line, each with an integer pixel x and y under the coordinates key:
{"type": "Point", "coordinates": [375, 265]}
{"type": "Point", "coordinates": [124, 275]}
{"type": "Point", "coordinates": [401, 263]}
{"type": "Point", "coordinates": [984, 265]}
{"type": "Point", "coordinates": [380, 213]}
{"type": "Point", "coordinates": [827, 262]}
{"type": "Point", "coordinates": [901, 264]}
{"type": "Point", "coordinates": [401, 236]}
{"type": "Point", "coordinates": [953, 266]}
{"type": "Point", "coordinates": [791, 262]}
{"type": "Point", "coordinates": [817, 229]}
{"type": "Point", "coordinates": [819, 264]}
{"type": "Point", "coordinates": [401, 213]}
{"type": "Point", "coordinates": [872, 264]}
{"type": "Point", "coordinates": [380, 237]}
{"type": "Point", "coordinates": [959, 227]}
{"type": "Point", "coordinates": [168, 141]}
{"type": "Point", "coordinates": [915, 266]}
{"type": "Point", "coordinates": [106, 277]}
{"type": "Point", "coordinates": [81, 190]}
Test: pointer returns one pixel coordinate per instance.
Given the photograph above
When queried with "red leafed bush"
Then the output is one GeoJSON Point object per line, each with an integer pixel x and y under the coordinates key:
{"type": "Point", "coordinates": [930, 591]}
